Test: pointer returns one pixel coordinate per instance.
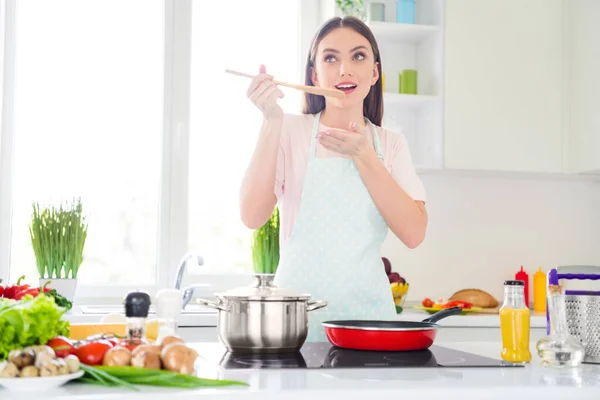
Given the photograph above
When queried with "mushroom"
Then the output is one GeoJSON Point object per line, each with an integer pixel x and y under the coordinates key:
{"type": "Point", "coordinates": [29, 372]}
{"type": "Point", "coordinates": [50, 368]}
{"type": "Point", "coordinates": [63, 369]}
{"type": "Point", "coordinates": [179, 358]}
{"type": "Point", "coordinates": [42, 359]}
{"type": "Point", "coordinates": [167, 340]}
{"type": "Point", "coordinates": [21, 358]}
{"type": "Point", "coordinates": [37, 350]}
{"type": "Point", "coordinates": [9, 370]}
{"type": "Point", "coordinates": [73, 363]}
{"type": "Point", "coordinates": [146, 359]}
{"type": "Point", "coordinates": [117, 356]}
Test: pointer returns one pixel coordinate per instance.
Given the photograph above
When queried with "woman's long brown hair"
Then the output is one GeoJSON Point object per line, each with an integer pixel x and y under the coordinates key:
{"type": "Point", "coordinates": [373, 103]}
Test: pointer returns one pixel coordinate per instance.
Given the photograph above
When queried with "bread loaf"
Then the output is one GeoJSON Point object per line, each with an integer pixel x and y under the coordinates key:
{"type": "Point", "coordinates": [477, 297]}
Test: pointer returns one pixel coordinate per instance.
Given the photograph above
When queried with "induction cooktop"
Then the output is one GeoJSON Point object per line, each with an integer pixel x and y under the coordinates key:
{"type": "Point", "coordinates": [324, 355]}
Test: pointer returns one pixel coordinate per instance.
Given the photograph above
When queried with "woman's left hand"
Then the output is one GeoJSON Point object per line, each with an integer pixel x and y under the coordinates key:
{"type": "Point", "coordinates": [353, 143]}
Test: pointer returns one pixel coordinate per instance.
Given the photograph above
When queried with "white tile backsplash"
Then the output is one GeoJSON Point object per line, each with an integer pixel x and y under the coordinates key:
{"type": "Point", "coordinates": [482, 229]}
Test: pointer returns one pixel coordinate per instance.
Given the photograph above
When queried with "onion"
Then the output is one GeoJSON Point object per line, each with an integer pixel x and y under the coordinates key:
{"type": "Point", "coordinates": [177, 357]}
{"type": "Point", "coordinates": [167, 340]}
{"type": "Point", "coordinates": [146, 348]}
{"type": "Point", "coordinates": [146, 359]}
{"type": "Point", "coordinates": [117, 356]}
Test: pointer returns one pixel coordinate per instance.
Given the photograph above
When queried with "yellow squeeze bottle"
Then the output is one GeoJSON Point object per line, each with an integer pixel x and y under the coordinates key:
{"type": "Point", "coordinates": [515, 324]}
{"type": "Point", "coordinates": [539, 291]}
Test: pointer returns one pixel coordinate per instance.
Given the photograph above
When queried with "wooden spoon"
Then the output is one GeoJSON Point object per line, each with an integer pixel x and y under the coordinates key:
{"type": "Point", "coordinates": [308, 89]}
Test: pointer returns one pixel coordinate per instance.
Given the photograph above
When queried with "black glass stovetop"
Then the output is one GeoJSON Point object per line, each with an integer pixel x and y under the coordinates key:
{"type": "Point", "coordinates": [324, 355]}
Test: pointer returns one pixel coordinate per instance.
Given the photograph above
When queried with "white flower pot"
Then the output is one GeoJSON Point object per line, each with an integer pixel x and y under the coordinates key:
{"type": "Point", "coordinates": [64, 287]}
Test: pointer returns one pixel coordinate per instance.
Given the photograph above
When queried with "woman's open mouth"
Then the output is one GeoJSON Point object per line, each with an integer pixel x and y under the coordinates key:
{"type": "Point", "coordinates": [346, 87]}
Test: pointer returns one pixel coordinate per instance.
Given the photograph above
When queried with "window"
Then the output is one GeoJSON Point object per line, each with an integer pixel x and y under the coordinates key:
{"type": "Point", "coordinates": [224, 124]}
{"type": "Point", "coordinates": [110, 106]}
{"type": "Point", "coordinates": [88, 122]}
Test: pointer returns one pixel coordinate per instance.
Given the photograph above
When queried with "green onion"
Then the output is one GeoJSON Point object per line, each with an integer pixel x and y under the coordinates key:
{"type": "Point", "coordinates": [129, 376]}
{"type": "Point", "coordinates": [58, 237]}
{"type": "Point", "coordinates": [265, 245]}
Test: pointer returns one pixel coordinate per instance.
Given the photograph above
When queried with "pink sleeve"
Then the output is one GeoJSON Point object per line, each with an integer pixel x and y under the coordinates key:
{"type": "Point", "coordinates": [280, 173]}
{"type": "Point", "coordinates": [404, 172]}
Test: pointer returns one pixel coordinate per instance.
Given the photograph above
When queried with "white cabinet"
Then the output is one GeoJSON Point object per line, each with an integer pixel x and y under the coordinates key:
{"type": "Point", "coordinates": [503, 102]}
{"type": "Point", "coordinates": [583, 55]}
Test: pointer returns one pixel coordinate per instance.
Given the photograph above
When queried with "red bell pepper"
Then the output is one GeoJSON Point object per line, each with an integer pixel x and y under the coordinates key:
{"type": "Point", "coordinates": [1, 289]}
{"type": "Point", "coordinates": [11, 291]}
{"type": "Point", "coordinates": [32, 291]}
{"type": "Point", "coordinates": [456, 303]}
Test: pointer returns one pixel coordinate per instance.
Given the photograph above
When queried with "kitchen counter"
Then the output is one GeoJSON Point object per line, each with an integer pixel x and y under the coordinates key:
{"type": "Point", "coordinates": [531, 381]}
{"type": "Point", "coordinates": [207, 317]}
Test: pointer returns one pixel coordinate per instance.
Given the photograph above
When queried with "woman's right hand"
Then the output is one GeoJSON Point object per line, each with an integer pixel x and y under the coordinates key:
{"type": "Point", "coordinates": [264, 94]}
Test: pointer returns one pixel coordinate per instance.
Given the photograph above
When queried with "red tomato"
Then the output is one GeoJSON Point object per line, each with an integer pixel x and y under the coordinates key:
{"type": "Point", "coordinates": [428, 303]}
{"type": "Point", "coordinates": [62, 346]}
{"type": "Point", "coordinates": [131, 343]}
{"type": "Point", "coordinates": [93, 353]}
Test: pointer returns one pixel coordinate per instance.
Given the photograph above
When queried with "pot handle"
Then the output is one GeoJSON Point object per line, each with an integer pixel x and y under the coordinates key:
{"type": "Point", "coordinates": [315, 305]}
{"type": "Point", "coordinates": [443, 314]}
{"type": "Point", "coordinates": [212, 304]}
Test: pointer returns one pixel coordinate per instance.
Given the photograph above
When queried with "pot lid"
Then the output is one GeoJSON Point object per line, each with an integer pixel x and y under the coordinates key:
{"type": "Point", "coordinates": [263, 288]}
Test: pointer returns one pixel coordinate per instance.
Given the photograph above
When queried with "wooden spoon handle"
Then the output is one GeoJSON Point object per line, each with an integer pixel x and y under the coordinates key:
{"type": "Point", "coordinates": [304, 88]}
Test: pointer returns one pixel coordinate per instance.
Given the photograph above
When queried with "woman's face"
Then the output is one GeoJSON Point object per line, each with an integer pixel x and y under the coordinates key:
{"type": "Point", "coordinates": [345, 61]}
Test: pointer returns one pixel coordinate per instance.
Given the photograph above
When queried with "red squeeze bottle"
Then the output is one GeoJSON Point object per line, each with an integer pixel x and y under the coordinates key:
{"type": "Point", "coordinates": [522, 276]}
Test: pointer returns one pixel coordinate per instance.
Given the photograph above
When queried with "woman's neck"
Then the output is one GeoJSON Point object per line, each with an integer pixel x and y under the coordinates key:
{"type": "Point", "coordinates": [340, 118]}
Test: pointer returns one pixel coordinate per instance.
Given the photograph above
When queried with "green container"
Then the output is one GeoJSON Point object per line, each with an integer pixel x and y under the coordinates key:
{"type": "Point", "coordinates": [408, 82]}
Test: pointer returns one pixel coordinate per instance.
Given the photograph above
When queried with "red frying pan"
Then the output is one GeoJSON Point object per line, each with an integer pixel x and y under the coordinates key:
{"type": "Point", "coordinates": [386, 335]}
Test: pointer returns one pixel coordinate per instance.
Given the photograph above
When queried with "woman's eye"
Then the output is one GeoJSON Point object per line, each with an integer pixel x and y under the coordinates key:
{"type": "Point", "coordinates": [359, 56]}
{"type": "Point", "coordinates": [329, 58]}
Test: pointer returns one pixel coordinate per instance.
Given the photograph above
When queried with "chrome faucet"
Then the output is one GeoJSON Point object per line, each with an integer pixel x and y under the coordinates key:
{"type": "Point", "coordinates": [188, 291]}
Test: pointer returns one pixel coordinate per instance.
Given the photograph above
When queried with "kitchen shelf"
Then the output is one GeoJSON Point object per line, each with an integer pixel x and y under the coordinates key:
{"type": "Point", "coordinates": [410, 33]}
{"type": "Point", "coordinates": [408, 100]}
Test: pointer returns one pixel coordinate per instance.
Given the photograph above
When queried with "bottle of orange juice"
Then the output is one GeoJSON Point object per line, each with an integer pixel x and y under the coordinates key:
{"type": "Point", "coordinates": [515, 323]}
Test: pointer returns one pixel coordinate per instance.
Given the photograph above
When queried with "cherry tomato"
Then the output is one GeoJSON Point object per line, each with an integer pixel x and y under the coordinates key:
{"type": "Point", "coordinates": [427, 303]}
{"type": "Point", "coordinates": [92, 353]}
{"type": "Point", "coordinates": [131, 343]}
{"type": "Point", "coordinates": [62, 346]}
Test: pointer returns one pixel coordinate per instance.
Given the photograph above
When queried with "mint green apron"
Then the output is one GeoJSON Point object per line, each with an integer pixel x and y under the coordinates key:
{"type": "Point", "coordinates": [333, 252]}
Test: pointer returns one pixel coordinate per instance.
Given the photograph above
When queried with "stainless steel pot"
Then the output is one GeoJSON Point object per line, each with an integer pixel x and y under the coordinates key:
{"type": "Point", "coordinates": [263, 318]}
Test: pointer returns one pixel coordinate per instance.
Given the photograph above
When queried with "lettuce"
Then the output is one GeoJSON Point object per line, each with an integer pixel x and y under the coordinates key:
{"type": "Point", "coordinates": [29, 322]}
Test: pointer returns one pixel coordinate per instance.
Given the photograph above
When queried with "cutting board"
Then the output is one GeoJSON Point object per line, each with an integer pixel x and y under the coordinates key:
{"type": "Point", "coordinates": [494, 310]}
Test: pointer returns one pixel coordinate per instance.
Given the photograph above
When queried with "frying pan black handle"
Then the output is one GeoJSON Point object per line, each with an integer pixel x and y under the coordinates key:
{"type": "Point", "coordinates": [443, 314]}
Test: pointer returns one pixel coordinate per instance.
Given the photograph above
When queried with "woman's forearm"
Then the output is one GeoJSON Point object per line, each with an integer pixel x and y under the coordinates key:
{"type": "Point", "coordinates": [406, 218]}
{"type": "Point", "coordinates": [257, 195]}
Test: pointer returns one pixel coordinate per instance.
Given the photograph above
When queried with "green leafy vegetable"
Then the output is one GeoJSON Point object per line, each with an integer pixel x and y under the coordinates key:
{"type": "Point", "coordinates": [29, 322]}
{"type": "Point", "coordinates": [129, 376]}
{"type": "Point", "coordinates": [60, 300]}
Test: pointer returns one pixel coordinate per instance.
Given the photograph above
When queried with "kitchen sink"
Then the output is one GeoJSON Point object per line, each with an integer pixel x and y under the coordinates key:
{"type": "Point", "coordinates": [119, 309]}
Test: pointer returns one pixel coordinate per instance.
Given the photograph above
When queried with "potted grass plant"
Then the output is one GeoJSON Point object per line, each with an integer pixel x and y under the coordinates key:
{"type": "Point", "coordinates": [58, 235]}
{"type": "Point", "coordinates": [265, 245]}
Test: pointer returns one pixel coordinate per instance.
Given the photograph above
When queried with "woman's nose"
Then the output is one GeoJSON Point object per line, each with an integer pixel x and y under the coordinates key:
{"type": "Point", "coordinates": [345, 70]}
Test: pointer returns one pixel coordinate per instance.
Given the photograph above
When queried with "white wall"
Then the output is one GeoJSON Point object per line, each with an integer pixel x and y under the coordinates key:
{"type": "Point", "coordinates": [482, 229]}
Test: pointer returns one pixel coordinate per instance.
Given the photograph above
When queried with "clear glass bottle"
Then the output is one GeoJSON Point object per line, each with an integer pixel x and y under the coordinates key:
{"type": "Point", "coordinates": [515, 324]}
{"type": "Point", "coordinates": [168, 311]}
{"type": "Point", "coordinates": [559, 349]}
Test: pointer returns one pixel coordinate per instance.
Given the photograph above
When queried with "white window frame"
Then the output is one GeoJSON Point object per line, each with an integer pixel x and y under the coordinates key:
{"type": "Point", "coordinates": [173, 230]}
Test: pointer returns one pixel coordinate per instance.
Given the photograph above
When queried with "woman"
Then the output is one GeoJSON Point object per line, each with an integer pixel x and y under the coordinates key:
{"type": "Point", "coordinates": [341, 181]}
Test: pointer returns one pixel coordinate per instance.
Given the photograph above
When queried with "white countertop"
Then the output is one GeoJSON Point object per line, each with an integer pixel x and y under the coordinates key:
{"type": "Point", "coordinates": [209, 317]}
{"type": "Point", "coordinates": [532, 381]}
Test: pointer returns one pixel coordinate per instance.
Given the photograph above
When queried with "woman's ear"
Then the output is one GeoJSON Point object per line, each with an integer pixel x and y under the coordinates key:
{"type": "Point", "coordinates": [313, 76]}
{"type": "Point", "coordinates": [375, 74]}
